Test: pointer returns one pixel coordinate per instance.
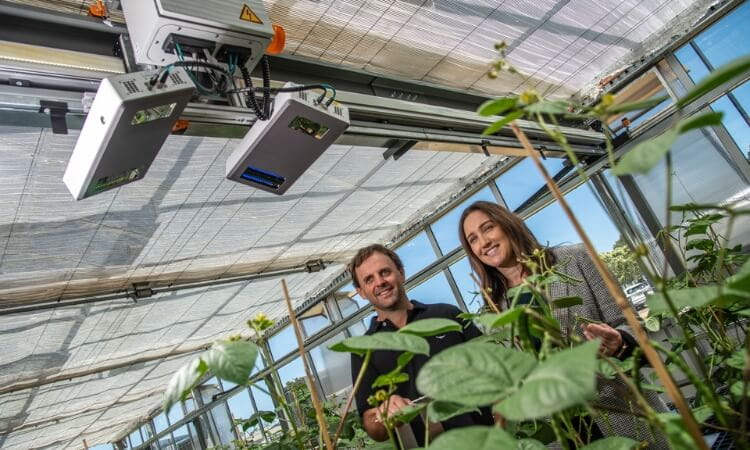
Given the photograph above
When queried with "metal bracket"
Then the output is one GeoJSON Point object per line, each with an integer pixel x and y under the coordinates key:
{"type": "Point", "coordinates": [57, 112]}
{"type": "Point", "coordinates": [484, 145]}
{"type": "Point", "coordinates": [541, 151]}
{"type": "Point", "coordinates": [397, 148]}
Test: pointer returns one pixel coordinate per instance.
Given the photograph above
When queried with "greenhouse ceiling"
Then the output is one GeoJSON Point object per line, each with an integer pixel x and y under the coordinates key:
{"type": "Point", "coordinates": [91, 370]}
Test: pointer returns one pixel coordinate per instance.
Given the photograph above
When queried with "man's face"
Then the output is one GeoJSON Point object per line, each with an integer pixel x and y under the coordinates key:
{"type": "Point", "coordinates": [380, 282]}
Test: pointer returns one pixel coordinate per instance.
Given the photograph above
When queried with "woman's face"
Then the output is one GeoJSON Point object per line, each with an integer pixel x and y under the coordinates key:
{"type": "Point", "coordinates": [487, 240]}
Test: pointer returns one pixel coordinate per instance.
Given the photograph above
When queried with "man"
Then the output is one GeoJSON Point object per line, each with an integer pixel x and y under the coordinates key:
{"type": "Point", "coordinates": [378, 276]}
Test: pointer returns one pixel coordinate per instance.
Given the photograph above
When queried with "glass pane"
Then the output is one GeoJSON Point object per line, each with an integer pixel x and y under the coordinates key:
{"type": "Point", "coordinates": [461, 271]}
{"type": "Point", "coordinates": [282, 342]}
{"type": "Point", "coordinates": [733, 121]}
{"type": "Point", "coordinates": [445, 229]}
{"type": "Point", "coordinates": [333, 368]}
{"type": "Point", "coordinates": [523, 180]}
{"type": "Point", "coordinates": [135, 438]}
{"type": "Point", "coordinates": [240, 406]}
{"type": "Point", "coordinates": [222, 423]}
{"type": "Point", "coordinates": [701, 174]}
{"type": "Point", "coordinates": [552, 227]}
{"type": "Point", "coordinates": [146, 432]}
{"type": "Point", "coordinates": [416, 254]}
{"type": "Point", "coordinates": [263, 401]}
{"type": "Point", "coordinates": [190, 405]}
{"type": "Point", "coordinates": [182, 439]}
{"type": "Point", "coordinates": [358, 328]}
{"type": "Point", "coordinates": [314, 319]}
{"type": "Point", "coordinates": [728, 38]}
{"type": "Point", "coordinates": [434, 290]}
{"type": "Point", "coordinates": [175, 414]}
{"type": "Point", "coordinates": [160, 423]}
{"type": "Point", "coordinates": [348, 300]}
{"type": "Point", "coordinates": [692, 63]}
{"type": "Point", "coordinates": [292, 371]}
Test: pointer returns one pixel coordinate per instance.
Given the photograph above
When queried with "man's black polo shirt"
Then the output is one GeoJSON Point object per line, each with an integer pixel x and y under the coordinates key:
{"type": "Point", "coordinates": [383, 361]}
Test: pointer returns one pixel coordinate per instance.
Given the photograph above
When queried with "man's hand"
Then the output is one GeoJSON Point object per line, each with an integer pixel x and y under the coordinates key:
{"type": "Point", "coordinates": [395, 404]}
{"type": "Point", "coordinates": [372, 421]}
{"type": "Point", "coordinates": [611, 338]}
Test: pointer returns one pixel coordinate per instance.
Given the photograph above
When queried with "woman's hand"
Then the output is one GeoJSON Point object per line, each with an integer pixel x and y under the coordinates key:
{"type": "Point", "coordinates": [611, 338]}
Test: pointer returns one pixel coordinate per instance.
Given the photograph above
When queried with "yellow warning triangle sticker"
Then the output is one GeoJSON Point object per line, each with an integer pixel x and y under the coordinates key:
{"type": "Point", "coordinates": [249, 15]}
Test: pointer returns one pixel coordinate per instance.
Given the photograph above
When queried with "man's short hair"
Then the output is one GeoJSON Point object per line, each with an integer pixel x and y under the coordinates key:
{"type": "Point", "coordinates": [365, 253]}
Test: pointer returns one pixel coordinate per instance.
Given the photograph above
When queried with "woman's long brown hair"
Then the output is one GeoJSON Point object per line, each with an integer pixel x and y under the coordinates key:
{"type": "Point", "coordinates": [522, 242]}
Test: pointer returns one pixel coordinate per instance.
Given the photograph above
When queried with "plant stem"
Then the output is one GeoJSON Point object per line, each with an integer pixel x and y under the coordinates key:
{"type": "Point", "coordinates": [699, 384]}
{"type": "Point", "coordinates": [348, 405]}
{"type": "Point", "coordinates": [614, 289]}
{"type": "Point", "coordinates": [555, 422]}
{"type": "Point", "coordinates": [310, 381]}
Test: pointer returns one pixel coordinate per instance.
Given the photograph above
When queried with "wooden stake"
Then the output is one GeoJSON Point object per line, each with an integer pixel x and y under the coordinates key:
{"type": "Point", "coordinates": [310, 381]}
{"type": "Point", "coordinates": [614, 289]}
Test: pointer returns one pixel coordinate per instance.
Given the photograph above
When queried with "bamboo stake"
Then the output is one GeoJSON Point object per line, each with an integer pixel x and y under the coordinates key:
{"type": "Point", "coordinates": [614, 289]}
{"type": "Point", "coordinates": [313, 390]}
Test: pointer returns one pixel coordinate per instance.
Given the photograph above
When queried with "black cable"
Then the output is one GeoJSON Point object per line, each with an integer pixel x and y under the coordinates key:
{"type": "Point", "coordinates": [265, 65]}
{"type": "Point", "coordinates": [252, 101]}
{"type": "Point", "coordinates": [300, 88]}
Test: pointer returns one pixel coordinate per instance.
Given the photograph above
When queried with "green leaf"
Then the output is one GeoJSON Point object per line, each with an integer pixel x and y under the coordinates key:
{"type": "Point", "coordinates": [404, 358]}
{"type": "Point", "coordinates": [696, 229]}
{"type": "Point", "coordinates": [497, 106]}
{"type": "Point", "coordinates": [431, 327]}
{"type": "Point", "coordinates": [653, 387]}
{"type": "Point", "coordinates": [703, 413]}
{"type": "Point", "coordinates": [699, 244]}
{"type": "Point", "coordinates": [605, 369]}
{"type": "Point", "coordinates": [612, 443]}
{"type": "Point", "coordinates": [441, 411]}
{"type": "Point", "coordinates": [699, 121]}
{"type": "Point", "coordinates": [682, 298]}
{"type": "Point", "coordinates": [383, 341]}
{"type": "Point", "coordinates": [232, 360]}
{"type": "Point", "coordinates": [737, 359]}
{"type": "Point", "coordinates": [645, 155]}
{"type": "Point", "coordinates": [477, 438]}
{"type": "Point", "coordinates": [636, 106]}
{"type": "Point", "coordinates": [548, 107]}
{"type": "Point", "coordinates": [679, 438]}
{"type": "Point", "coordinates": [390, 378]}
{"type": "Point", "coordinates": [565, 379]}
{"type": "Point", "coordinates": [494, 371]}
{"type": "Point", "coordinates": [653, 323]}
{"type": "Point", "coordinates": [737, 387]}
{"type": "Point", "coordinates": [183, 381]}
{"type": "Point", "coordinates": [567, 302]}
{"type": "Point", "coordinates": [740, 281]}
{"type": "Point", "coordinates": [723, 74]}
{"type": "Point", "coordinates": [490, 321]}
{"type": "Point", "coordinates": [499, 124]}
{"type": "Point", "coordinates": [468, 316]}
{"type": "Point", "coordinates": [409, 412]}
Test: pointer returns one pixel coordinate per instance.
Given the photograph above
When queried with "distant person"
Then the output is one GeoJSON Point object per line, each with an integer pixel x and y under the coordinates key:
{"type": "Point", "coordinates": [496, 240]}
{"type": "Point", "coordinates": [378, 276]}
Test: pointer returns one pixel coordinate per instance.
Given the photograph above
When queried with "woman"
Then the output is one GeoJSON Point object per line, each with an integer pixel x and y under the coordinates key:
{"type": "Point", "coordinates": [495, 240]}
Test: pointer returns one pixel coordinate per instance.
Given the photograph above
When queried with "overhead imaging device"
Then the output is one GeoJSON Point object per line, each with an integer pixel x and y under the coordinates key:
{"type": "Point", "coordinates": [162, 30]}
{"type": "Point", "coordinates": [200, 47]}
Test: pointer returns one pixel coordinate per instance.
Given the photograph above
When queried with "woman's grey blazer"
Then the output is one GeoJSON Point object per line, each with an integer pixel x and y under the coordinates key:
{"type": "Point", "coordinates": [599, 305]}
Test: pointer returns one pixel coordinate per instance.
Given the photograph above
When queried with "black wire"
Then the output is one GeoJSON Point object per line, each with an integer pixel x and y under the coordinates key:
{"type": "Point", "coordinates": [265, 65]}
{"type": "Point", "coordinates": [300, 88]}
{"type": "Point", "coordinates": [252, 101]}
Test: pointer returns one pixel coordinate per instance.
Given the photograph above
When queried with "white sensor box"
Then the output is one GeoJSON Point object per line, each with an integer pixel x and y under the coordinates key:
{"type": "Point", "coordinates": [218, 26]}
{"type": "Point", "coordinates": [277, 151]}
{"type": "Point", "coordinates": [125, 128]}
